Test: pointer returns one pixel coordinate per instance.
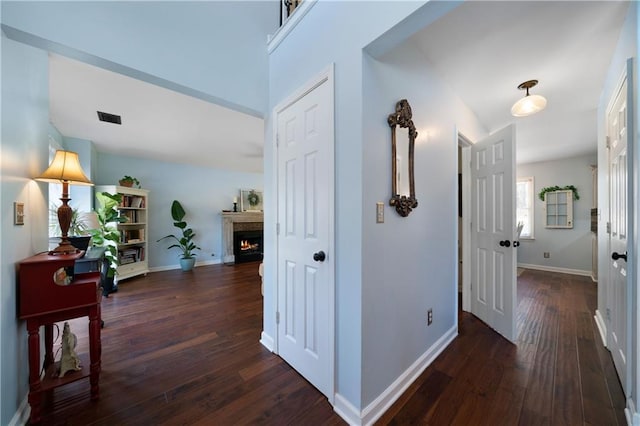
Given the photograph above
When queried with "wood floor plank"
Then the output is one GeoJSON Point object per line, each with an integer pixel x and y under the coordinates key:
{"type": "Point", "coordinates": [183, 348]}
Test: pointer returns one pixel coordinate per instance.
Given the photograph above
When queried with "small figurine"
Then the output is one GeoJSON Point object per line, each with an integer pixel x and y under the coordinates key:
{"type": "Point", "coordinates": [69, 360]}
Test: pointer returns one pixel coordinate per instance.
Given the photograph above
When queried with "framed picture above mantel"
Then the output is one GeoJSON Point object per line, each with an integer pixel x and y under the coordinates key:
{"type": "Point", "coordinates": [251, 200]}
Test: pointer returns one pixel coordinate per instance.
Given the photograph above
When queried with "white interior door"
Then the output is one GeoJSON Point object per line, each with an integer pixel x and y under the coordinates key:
{"type": "Point", "coordinates": [493, 255]}
{"type": "Point", "coordinates": [618, 173]}
{"type": "Point", "coordinates": [305, 323]}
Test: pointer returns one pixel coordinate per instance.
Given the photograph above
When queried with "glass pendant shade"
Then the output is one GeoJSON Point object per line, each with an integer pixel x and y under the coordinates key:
{"type": "Point", "coordinates": [528, 105]}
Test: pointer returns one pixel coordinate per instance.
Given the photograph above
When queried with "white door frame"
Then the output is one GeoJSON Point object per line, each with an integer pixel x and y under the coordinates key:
{"type": "Point", "coordinates": [325, 76]}
{"type": "Point", "coordinates": [465, 161]}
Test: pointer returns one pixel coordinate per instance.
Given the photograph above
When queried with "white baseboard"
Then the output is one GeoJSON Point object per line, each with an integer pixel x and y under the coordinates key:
{"type": "Point", "coordinates": [346, 410]}
{"type": "Point", "coordinates": [172, 267]}
{"type": "Point", "coordinates": [633, 417]}
{"type": "Point", "coordinates": [22, 415]}
{"type": "Point", "coordinates": [267, 341]}
{"type": "Point", "coordinates": [556, 269]}
{"type": "Point", "coordinates": [602, 327]}
{"type": "Point", "coordinates": [381, 404]}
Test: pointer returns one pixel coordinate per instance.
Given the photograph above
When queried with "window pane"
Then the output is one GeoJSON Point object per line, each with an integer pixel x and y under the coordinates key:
{"type": "Point", "coordinates": [524, 206]}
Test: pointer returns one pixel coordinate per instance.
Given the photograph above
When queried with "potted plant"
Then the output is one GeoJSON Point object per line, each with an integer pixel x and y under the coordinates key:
{"type": "Point", "coordinates": [129, 181]}
{"type": "Point", "coordinates": [107, 235]}
{"type": "Point", "coordinates": [185, 242]}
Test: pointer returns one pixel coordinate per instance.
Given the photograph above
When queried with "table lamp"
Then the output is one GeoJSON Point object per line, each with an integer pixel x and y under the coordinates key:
{"type": "Point", "coordinates": [65, 168]}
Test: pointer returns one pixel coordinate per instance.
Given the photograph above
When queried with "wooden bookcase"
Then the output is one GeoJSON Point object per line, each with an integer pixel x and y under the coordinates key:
{"type": "Point", "coordinates": [133, 246]}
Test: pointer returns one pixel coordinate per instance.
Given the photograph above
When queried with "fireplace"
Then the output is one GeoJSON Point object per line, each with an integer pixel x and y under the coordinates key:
{"type": "Point", "coordinates": [247, 245]}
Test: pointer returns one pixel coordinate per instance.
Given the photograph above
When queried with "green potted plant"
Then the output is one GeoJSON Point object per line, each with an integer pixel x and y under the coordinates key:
{"type": "Point", "coordinates": [107, 235]}
{"type": "Point", "coordinates": [184, 243]}
{"type": "Point", "coordinates": [129, 181]}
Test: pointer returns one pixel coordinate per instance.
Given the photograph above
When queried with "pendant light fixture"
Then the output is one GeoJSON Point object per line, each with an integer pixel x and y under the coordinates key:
{"type": "Point", "coordinates": [530, 104]}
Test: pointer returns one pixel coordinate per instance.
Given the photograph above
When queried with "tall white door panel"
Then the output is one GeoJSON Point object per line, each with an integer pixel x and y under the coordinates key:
{"type": "Point", "coordinates": [305, 211]}
{"type": "Point", "coordinates": [493, 251]}
{"type": "Point", "coordinates": [619, 294]}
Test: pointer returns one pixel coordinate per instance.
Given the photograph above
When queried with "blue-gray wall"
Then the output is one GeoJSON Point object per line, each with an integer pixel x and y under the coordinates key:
{"type": "Point", "coordinates": [357, 381]}
{"type": "Point", "coordinates": [203, 192]}
{"type": "Point", "coordinates": [409, 264]}
{"type": "Point", "coordinates": [25, 151]}
{"type": "Point", "coordinates": [568, 248]}
{"type": "Point", "coordinates": [216, 49]}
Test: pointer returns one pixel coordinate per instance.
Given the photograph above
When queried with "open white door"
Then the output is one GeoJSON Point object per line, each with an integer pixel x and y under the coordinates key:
{"type": "Point", "coordinates": [619, 294]}
{"type": "Point", "coordinates": [493, 255]}
{"type": "Point", "coordinates": [305, 258]}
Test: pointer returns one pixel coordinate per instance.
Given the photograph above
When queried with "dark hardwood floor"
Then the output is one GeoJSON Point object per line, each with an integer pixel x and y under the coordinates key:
{"type": "Point", "coordinates": [183, 348]}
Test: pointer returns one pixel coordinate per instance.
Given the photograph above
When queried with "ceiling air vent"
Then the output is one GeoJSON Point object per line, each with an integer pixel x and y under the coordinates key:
{"type": "Point", "coordinates": [109, 118]}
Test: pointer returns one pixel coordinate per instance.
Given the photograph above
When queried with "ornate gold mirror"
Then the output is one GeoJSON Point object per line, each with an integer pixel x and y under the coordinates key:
{"type": "Point", "coordinates": [403, 137]}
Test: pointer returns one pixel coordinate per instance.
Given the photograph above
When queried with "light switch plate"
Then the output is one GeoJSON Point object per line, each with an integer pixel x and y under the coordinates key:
{"type": "Point", "coordinates": [379, 212]}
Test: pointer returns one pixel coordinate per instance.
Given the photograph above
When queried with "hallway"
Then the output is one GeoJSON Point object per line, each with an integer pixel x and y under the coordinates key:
{"type": "Point", "coordinates": [559, 372]}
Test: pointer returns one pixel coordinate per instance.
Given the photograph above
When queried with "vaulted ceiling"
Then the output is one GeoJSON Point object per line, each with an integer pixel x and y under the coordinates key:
{"type": "Point", "coordinates": [483, 50]}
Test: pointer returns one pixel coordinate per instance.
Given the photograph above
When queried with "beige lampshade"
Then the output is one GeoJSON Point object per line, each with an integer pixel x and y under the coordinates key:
{"type": "Point", "coordinates": [65, 167]}
{"type": "Point", "coordinates": [528, 105]}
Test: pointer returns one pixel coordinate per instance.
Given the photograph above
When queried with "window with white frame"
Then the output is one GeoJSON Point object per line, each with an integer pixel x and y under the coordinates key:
{"type": "Point", "coordinates": [524, 206]}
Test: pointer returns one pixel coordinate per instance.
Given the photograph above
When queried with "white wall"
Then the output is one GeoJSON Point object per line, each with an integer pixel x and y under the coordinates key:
{"type": "Point", "coordinates": [212, 50]}
{"type": "Point", "coordinates": [25, 135]}
{"type": "Point", "coordinates": [626, 48]}
{"type": "Point", "coordinates": [203, 192]}
{"type": "Point", "coordinates": [568, 248]}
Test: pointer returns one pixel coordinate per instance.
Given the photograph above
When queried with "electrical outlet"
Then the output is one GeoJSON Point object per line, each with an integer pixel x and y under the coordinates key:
{"type": "Point", "coordinates": [546, 254]}
{"type": "Point", "coordinates": [429, 316]}
{"type": "Point", "coordinates": [379, 212]}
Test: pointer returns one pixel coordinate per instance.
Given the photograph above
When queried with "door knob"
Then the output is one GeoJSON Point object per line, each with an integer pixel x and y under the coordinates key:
{"type": "Point", "coordinates": [319, 256]}
{"type": "Point", "coordinates": [516, 244]}
{"type": "Point", "coordinates": [615, 256]}
{"type": "Point", "coordinates": [505, 243]}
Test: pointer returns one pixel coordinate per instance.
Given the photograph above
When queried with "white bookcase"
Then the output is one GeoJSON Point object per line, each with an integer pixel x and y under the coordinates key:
{"type": "Point", "coordinates": [133, 247]}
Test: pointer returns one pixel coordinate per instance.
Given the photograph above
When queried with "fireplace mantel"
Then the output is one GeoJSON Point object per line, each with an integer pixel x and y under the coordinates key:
{"type": "Point", "coordinates": [228, 219]}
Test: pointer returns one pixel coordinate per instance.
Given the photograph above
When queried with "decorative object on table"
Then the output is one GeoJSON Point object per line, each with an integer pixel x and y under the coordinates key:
{"type": "Point", "coordinates": [107, 235]}
{"type": "Point", "coordinates": [530, 104]}
{"type": "Point", "coordinates": [65, 168]}
{"type": "Point", "coordinates": [129, 181]}
{"type": "Point", "coordinates": [543, 191]}
{"type": "Point", "coordinates": [78, 233]}
{"type": "Point", "coordinates": [185, 242]}
{"type": "Point", "coordinates": [250, 200]}
{"type": "Point", "coordinates": [403, 202]}
{"type": "Point", "coordinates": [18, 213]}
{"type": "Point", "coordinates": [69, 360]}
{"type": "Point", "coordinates": [235, 204]}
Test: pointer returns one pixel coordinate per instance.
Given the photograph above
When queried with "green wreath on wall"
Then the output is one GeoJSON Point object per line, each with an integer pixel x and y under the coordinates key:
{"type": "Point", "coordinates": [557, 188]}
{"type": "Point", "coordinates": [253, 198]}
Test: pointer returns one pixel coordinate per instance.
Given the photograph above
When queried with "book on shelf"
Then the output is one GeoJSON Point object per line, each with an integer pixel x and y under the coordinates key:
{"type": "Point", "coordinates": [132, 235]}
{"type": "Point", "coordinates": [131, 255]}
{"type": "Point", "coordinates": [133, 201]}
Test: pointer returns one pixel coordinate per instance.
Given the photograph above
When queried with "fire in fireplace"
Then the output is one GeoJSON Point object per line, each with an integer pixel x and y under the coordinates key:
{"type": "Point", "coordinates": [247, 246]}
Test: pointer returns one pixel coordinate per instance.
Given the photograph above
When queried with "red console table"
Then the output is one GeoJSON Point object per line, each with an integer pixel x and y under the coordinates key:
{"type": "Point", "coordinates": [43, 303]}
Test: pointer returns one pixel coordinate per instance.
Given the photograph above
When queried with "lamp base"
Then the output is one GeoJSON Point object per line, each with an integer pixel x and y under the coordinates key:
{"type": "Point", "coordinates": [65, 247]}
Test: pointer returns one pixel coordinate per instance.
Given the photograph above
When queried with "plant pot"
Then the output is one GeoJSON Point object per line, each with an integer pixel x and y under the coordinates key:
{"type": "Point", "coordinates": [187, 264]}
{"type": "Point", "coordinates": [127, 183]}
{"type": "Point", "coordinates": [80, 242]}
{"type": "Point", "coordinates": [108, 282]}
